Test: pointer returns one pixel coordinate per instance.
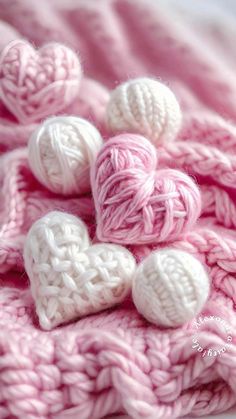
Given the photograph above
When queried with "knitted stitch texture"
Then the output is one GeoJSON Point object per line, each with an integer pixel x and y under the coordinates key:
{"type": "Point", "coordinates": [165, 270]}
{"type": "Point", "coordinates": [36, 84]}
{"type": "Point", "coordinates": [145, 106]}
{"type": "Point", "coordinates": [115, 361]}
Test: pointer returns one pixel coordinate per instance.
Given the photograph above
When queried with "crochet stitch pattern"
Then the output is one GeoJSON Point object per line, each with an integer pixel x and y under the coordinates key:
{"type": "Point", "coordinates": [116, 362]}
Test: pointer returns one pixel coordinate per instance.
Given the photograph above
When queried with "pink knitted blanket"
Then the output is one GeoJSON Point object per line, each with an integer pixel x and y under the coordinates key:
{"type": "Point", "coordinates": [116, 362]}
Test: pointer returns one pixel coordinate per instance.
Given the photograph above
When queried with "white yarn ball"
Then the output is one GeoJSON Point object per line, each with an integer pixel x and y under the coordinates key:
{"type": "Point", "coordinates": [70, 277]}
{"type": "Point", "coordinates": [170, 287]}
{"type": "Point", "coordinates": [144, 106]}
{"type": "Point", "coordinates": [61, 151]}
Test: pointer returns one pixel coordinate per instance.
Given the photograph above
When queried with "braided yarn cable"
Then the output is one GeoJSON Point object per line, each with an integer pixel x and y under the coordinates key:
{"type": "Point", "coordinates": [201, 160]}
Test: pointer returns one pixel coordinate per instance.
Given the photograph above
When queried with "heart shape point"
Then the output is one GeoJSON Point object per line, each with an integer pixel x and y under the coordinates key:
{"type": "Point", "coordinates": [135, 203]}
{"type": "Point", "coordinates": [36, 84]}
{"type": "Point", "coordinates": [69, 277]}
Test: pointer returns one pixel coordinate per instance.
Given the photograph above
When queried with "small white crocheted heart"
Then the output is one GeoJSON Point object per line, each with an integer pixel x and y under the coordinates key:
{"type": "Point", "coordinates": [36, 84]}
{"type": "Point", "coordinates": [70, 277]}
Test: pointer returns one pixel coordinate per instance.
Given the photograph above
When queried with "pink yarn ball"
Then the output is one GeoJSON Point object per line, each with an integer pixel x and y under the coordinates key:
{"type": "Point", "coordinates": [135, 203]}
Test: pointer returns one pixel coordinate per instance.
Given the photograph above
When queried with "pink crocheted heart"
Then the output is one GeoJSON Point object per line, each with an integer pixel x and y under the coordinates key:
{"type": "Point", "coordinates": [135, 203]}
{"type": "Point", "coordinates": [36, 84]}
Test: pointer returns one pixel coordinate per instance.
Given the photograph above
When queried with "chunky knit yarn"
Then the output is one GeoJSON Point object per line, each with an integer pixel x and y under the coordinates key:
{"type": "Point", "coordinates": [116, 362]}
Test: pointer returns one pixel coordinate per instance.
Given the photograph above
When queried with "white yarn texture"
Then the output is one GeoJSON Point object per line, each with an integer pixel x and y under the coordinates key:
{"type": "Point", "coordinates": [144, 106]}
{"type": "Point", "coordinates": [61, 151]}
{"type": "Point", "coordinates": [170, 287]}
{"type": "Point", "coordinates": [70, 277]}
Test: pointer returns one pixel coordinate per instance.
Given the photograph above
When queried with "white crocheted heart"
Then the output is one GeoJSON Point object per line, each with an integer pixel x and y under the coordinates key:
{"type": "Point", "coordinates": [70, 277]}
{"type": "Point", "coordinates": [35, 84]}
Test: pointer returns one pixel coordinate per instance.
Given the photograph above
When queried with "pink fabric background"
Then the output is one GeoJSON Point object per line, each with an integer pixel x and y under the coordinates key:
{"type": "Point", "coordinates": [115, 362]}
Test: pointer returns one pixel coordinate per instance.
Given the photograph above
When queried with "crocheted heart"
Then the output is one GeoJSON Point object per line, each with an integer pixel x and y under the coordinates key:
{"type": "Point", "coordinates": [136, 204]}
{"type": "Point", "coordinates": [35, 84]}
{"type": "Point", "coordinates": [69, 277]}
